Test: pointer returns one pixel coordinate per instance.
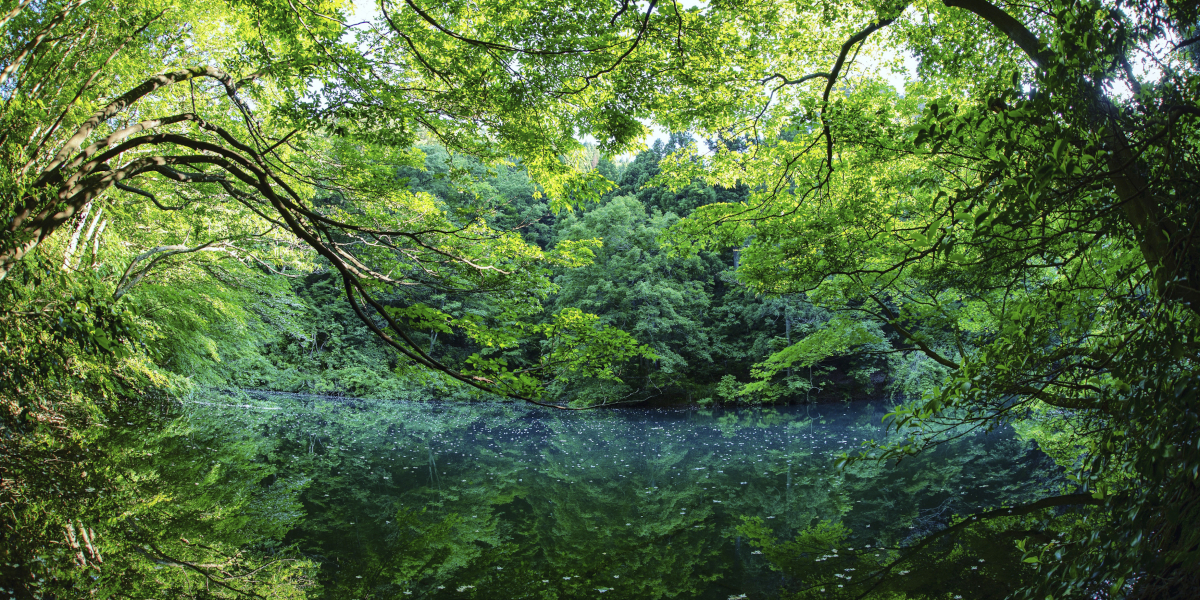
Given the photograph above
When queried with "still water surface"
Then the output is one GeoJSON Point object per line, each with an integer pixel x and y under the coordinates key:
{"type": "Point", "coordinates": [426, 500]}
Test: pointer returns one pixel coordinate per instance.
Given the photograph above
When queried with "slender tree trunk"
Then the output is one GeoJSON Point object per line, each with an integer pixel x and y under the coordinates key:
{"type": "Point", "coordinates": [96, 241]}
{"type": "Point", "coordinates": [91, 230]}
{"type": "Point", "coordinates": [75, 237]}
{"type": "Point", "coordinates": [787, 330]}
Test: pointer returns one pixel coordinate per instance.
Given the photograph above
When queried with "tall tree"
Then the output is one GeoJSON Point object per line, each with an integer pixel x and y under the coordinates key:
{"type": "Point", "coordinates": [1023, 215]}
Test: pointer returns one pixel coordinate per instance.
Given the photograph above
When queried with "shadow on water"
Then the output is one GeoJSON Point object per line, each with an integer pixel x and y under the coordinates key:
{"type": "Point", "coordinates": [437, 500]}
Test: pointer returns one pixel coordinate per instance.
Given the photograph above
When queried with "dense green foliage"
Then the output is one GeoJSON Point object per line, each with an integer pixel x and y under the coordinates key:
{"type": "Point", "coordinates": [265, 195]}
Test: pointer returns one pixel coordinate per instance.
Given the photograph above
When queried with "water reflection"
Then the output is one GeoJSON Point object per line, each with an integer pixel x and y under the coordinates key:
{"type": "Point", "coordinates": [500, 501]}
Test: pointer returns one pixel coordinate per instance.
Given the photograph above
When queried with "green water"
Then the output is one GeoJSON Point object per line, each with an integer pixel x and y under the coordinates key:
{"type": "Point", "coordinates": [501, 501]}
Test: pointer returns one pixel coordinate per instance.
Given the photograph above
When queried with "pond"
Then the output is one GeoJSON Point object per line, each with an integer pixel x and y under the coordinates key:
{"type": "Point", "coordinates": [429, 500]}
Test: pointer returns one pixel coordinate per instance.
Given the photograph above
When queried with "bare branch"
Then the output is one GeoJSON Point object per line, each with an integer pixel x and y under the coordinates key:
{"type": "Point", "coordinates": [34, 43]}
{"type": "Point", "coordinates": [164, 79]}
{"type": "Point", "coordinates": [1186, 43]}
{"type": "Point", "coordinates": [893, 319]}
{"type": "Point", "coordinates": [587, 81]}
{"type": "Point", "coordinates": [87, 84]}
{"type": "Point", "coordinates": [141, 192]}
{"type": "Point", "coordinates": [129, 279]}
{"type": "Point", "coordinates": [14, 12]}
{"type": "Point", "coordinates": [1014, 29]}
{"type": "Point", "coordinates": [786, 81]}
{"type": "Point", "coordinates": [494, 45]}
{"type": "Point", "coordinates": [846, 47]}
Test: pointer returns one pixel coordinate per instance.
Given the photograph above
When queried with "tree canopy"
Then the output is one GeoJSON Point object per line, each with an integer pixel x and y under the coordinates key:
{"type": "Point", "coordinates": [1003, 194]}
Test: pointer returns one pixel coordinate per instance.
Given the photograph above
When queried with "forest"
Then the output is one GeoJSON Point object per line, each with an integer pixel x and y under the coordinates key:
{"type": "Point", "coordinates": [526, 299]}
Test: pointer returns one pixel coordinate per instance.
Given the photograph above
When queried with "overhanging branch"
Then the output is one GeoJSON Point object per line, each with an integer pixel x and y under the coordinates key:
{"type": "Point", "coordinates": [1006, 23]}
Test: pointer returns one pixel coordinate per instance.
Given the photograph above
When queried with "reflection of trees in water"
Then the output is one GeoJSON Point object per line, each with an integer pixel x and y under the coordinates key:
{"type": "Point", "coordinates": [622, 499]}
{"type": "Point", "coordinates": [165, 500]}
{"type": "Point", "coordinates": [407, 498]}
